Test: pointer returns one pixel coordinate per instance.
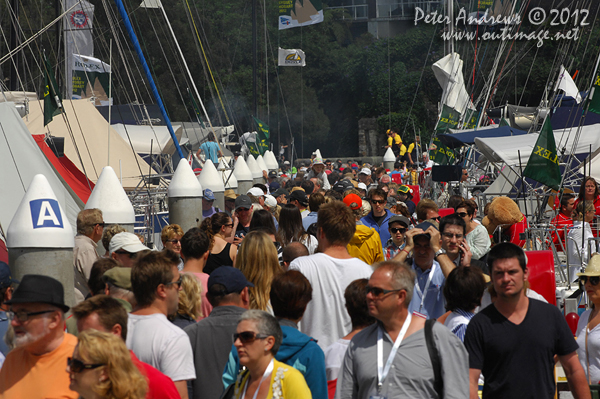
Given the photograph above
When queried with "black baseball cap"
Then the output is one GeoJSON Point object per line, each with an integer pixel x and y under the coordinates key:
{"type": "Point", "coordinates": [342, 186]}
{"type": "Point", "coordinates": [243, 201]}
{"type": "Point", "coordinates": [300, 196]}
{"type": "Point", "coordinates": [229, 277]}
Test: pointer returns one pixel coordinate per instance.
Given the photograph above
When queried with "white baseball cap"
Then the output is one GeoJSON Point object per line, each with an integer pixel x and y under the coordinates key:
{"type": "Point", "coordinates": [365, 171]}
{"type": "Point", "coordinates": [257, 192]}
{"type": "Point", "coordinates": [270, 201]}
{"type": "Point", "coordinates": [362, 186]}
{"type": "Point", "coordinates": [127, 242]}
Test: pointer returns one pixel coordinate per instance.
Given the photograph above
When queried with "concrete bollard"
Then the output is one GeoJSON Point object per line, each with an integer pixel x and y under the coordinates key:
{"type": "Point", "coordinates": [210, 178]}
{"type": "Point", "coordinates": [389, 159]}
{"type": "Point", "coordinates": [257, 175]}
{"type": "Point", "coordinates": [185, 197]}
{"type": "Point", "coordinates": [243, 175]}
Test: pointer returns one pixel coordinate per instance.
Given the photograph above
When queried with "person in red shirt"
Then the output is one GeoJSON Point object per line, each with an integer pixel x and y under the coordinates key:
{"type": "Point", "coordinates": [106, 314]}
{"type": "Point", "coordinates": [563, 219]}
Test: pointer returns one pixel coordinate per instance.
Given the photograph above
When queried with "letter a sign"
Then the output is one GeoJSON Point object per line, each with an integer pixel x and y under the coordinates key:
{"type": "Point", "coordinates": [45, 213]}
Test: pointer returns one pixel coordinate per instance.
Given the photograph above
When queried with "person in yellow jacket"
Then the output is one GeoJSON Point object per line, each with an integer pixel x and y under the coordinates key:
{"type": "Point", "coordinates": [366, 243]}
{"type": "Point", "coordinates": [394, 141]}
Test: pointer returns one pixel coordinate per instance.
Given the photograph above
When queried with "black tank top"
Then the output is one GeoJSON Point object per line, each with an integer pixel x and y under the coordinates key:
{"type": "Point", "coordinates": [216, 260]}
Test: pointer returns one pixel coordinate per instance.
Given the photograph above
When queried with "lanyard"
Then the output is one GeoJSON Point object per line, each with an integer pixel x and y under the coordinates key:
{"type": "Point", "coordinates": [423, 293]}
{"type": "Point", "coordinates": [383, 372]}
{"type": "Point", "coordinates": [265, 375]}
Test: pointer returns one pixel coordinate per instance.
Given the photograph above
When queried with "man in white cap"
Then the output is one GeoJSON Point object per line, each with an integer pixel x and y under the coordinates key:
{"type": "Point", "coordinates": [364, 176]}
{"type": "Point", "coordinates": [258, 193]}
{"type": "Point", "coordinates": [318, 170]}
{"type": "Point", "coordinates": [124, 248]}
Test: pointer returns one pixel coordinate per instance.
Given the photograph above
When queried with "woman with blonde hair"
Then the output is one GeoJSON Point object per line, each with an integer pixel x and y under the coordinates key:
{"type": "Point", "coordinates": [257, 259]}
{"type": "Point", "coordinates": [101, 367]}
{"type": "Point", "coordinates": [190, 301]}
{"type": "Point", "coordinates": [219, 228]}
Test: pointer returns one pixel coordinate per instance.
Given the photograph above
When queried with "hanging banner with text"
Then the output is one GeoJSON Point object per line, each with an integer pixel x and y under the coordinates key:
{"type": "Point", "coordinates": [294, 13]}
{"type": "Point", "coordinates": [90, 79]}
{"type": "Point", "coordinates": [291, 57]}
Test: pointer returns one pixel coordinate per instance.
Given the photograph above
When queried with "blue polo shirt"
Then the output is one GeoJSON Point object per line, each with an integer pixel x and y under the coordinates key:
{"type": "Point", "coordinates": [435, 303]}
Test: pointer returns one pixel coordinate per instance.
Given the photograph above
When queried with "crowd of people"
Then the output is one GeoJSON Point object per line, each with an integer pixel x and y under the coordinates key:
{"type": "Point", "coordinates": [327, 281]}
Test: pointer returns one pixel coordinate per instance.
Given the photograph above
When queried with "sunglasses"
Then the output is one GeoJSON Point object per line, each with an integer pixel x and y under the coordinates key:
{"type": "Point", "coordinates": [437, 218]}
{"type": "Point", "coordinates": [394, 230]}
{"type": "Point", "coordinates": [247, 337]}
{"type": "Point", "coordinates": [178, 282]}
{"type": "Point", "coordinates": [594, 280]}
{"type": "Point", "coordinates": [24, 316]}
{"type": "Point", "coordinates": [379, 292]}
{"type": "Point", "coordinates": [378, 202]}
{"type": "Point", "coordinates": [462, 214]}
{"type": "Point", "coordinates": [77, 366]}
{"type": "Point", "coordinates": [130, 254]}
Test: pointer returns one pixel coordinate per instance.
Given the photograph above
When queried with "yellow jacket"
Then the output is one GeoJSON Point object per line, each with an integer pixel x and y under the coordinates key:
{"type": "Point", "coordinates": [366, 245]}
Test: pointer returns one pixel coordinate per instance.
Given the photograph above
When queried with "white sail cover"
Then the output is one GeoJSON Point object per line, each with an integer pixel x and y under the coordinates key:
{"type": "Point", "coordinates": [150, 139]}
{"type": "Point", "coordinates": [20, 160]}
{"type": "Point", "coordinates": [448, 72]}
{"type": "Point", "coordinates": [499, 149]}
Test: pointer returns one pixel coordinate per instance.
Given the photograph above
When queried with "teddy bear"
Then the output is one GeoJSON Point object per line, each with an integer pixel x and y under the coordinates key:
{"type": "Point", "coordinates": [505, 212]}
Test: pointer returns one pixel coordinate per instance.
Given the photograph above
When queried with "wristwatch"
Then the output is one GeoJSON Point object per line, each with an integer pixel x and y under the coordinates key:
{"type": "Point", "coordinates": [440, 252]}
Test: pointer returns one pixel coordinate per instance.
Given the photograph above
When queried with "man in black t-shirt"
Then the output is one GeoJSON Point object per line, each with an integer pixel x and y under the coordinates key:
{"type": "Point", "coordinates": [514, 340]}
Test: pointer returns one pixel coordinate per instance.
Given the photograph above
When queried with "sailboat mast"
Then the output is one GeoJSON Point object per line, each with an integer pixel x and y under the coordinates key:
{"type": "Point", "coordinates": [14, 42]}
{"type": "Point", "coordinates": [254, 61]}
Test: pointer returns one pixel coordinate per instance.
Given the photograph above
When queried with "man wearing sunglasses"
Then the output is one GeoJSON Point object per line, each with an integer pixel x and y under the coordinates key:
{"type": "Point", "coordinates": [514, 341]}
{"type": "Point", "coordinates": [90, 226]}
{"type": "Point", "coordinates": [398, 225]}
{"type": "Point", "coordinates": [390, 359]}
{"type": "Point", "coordinates": [427, 209]}
{"type": "Point", "coordinates": [155, 282]}
{"type": "Point", "coordinates": [36, 367]}
{"type": "Point", "coordinates": [124, 248]}
{"type": "Point", "coordinates": [379, 217]}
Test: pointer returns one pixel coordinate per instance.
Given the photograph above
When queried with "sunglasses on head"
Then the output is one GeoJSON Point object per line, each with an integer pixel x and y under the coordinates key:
{"type": "Point", "coordinates": [247, 337]}
{"type": "Point", "coordinates": [379, 292]}
{"type": "Point", "coordinates": [594, 280]}
{"type": "Point", "coordinates": [394, 230]}
{"type": "Point", "coordinates": [77, 366]}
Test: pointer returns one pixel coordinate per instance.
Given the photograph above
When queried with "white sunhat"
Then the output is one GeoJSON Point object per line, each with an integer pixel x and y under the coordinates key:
{"type": "Point", "coordinates": [127, 242]}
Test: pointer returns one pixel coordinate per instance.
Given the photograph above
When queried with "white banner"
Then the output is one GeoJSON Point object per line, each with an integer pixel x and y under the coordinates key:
{"type": "Point", "coordinates": [565, 83]}
{"type": "Point", "coordinates": [90, 79]}
{"type": "Point", "coordinates": [78, 25]}
{"type": "Point", "coordinates": [291, 57]}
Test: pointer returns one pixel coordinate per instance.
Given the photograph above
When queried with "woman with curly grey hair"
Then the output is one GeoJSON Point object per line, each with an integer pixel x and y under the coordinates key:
{"type": "Point", "coordinates": [257, 340]}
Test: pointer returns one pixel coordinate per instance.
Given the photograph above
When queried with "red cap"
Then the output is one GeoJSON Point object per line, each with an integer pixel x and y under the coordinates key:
{"type": "Point", "coordinates": [353, 199]}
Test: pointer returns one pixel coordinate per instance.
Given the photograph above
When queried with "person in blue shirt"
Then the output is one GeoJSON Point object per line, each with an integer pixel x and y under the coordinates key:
{"type": "Point", "coordinates": [379, 217]}
{"type": "Point", "coordinates": [211, 150]}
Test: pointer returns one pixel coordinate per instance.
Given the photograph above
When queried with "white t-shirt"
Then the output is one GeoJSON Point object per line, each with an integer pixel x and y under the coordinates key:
{"type": "Point", "coordinates": [161, 344]}
{"type": "Point", "coordinates": [311, 243]}
{"type": "Point", "coordinates": [326, 318]}
{"type": "Point", "coordinates": [593, 348]}
{"type": "Point", "coordinates": [334, 357]}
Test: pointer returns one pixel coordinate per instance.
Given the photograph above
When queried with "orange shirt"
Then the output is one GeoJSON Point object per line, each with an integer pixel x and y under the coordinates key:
{"type": "Point", "coordinates": [24, 375]}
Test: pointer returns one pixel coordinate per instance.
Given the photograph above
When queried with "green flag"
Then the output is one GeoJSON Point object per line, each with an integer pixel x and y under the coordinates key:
{"type": "Point", "coordinates": [448, 119]}
{"type": "Point", "coordinates": [262, 140]}
{"type": "Point", "coordinates": [504, 122]}
{"type": "Point", "coordinates": [543, 162]}
{"type": "Point", "coordinates": [594, 96]}
{"type": "Point", "coordinates": [52, 100]}
{"type": "Point", "coordinates": [439, 153]}
{"type": "Point", "coordinates": [470, 121]}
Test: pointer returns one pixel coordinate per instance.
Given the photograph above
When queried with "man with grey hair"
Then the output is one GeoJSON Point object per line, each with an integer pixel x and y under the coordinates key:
{"type": "Point", "coordinates": [90, 226]}
{"type": "Point", "coordinates": [398, 342]}
{"type": "Point", "coordinates": [36, 367]}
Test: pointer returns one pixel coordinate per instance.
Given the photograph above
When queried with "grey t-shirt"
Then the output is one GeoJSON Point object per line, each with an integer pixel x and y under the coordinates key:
{"type": "Point", "coordinates": [411, 374]}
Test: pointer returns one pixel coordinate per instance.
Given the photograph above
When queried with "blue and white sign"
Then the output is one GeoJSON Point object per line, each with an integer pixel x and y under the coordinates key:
{"type": "Point", "coordinates": [45, 213]}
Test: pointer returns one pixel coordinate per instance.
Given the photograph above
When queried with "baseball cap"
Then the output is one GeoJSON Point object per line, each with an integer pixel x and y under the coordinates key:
{"type": "Point", "coordinates": [365, 171]}
{"type": "Point", "coordinates": [243, 201]}
{"type": "Point", "coordinates": [399, 219]}
{"type": "Point", "coordinates": [208, 195]}
{"type": "Point", "coordinates": [355, 166]}
{"type": "Point", "coordinates": [270, 201]}
{"type": "Point", "coordinates": [300, 196]}
{"type": "Point", "coordinates": [281, 191]}
{"type": "Point", "coordinates": [405, 189]}
{"type": "Point", "coordinates": [342, 186]}
{"type": "Point", "coordinates": [257, 192]}
{"type": "Point", "coordinates": [273, 186]}
{"type": "Point", "coordinates": [391, 201]}
{"type": "Point", "coordinates": [353, 199]}
{"type": "Point", "coordinates": [119, 277]}
{"type": "Point", "coordinates": [273, 174]}
{"type": "Point", "coordinates": [5, 276]}
{"type": "Point", "coordinates": [286, 162]}
{"type": "Point", "coordinates": [362, 186]}
{"type": "Point", "coordinates": [127, 242]}
{"type": "Point", "coordinates": [229, 277]}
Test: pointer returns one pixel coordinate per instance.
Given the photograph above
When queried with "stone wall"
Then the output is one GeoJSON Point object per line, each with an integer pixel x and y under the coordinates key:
{"type": "Point", "coordinates": [369, 142]}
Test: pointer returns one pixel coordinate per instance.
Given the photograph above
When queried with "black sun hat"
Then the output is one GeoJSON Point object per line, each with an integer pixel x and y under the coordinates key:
{"type": "Point", "coordinates": [35, 288]}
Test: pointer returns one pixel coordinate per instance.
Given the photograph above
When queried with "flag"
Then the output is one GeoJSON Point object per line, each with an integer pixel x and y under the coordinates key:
{"type": "Point", "coordinates": [291, 57]}
{"type": "Point", "coordinates": [566, 84]}
{"type": "Point", "coordinates": [78, 25]}
{"type": "Point", "coordinates": [52, 100]}
{"type": "Point", "coordinates": [504, 122]}
{"type": "Point", "coordinates": [439, 153]}
{"type": "Point", "coordinates": [91, 78]}
{"type": "Point", "coordinates": [543, 162]}
{"type": "Point", "coordinates": [262, 142]}
{"type": "Point", "coordinates": [594, 96]}
{"type": "Point", "coordinates": [294, 13]}
{"type": "Point", "coordinates": [448, 119]}
{"type": "Point", "coordinates": [470, 122]}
